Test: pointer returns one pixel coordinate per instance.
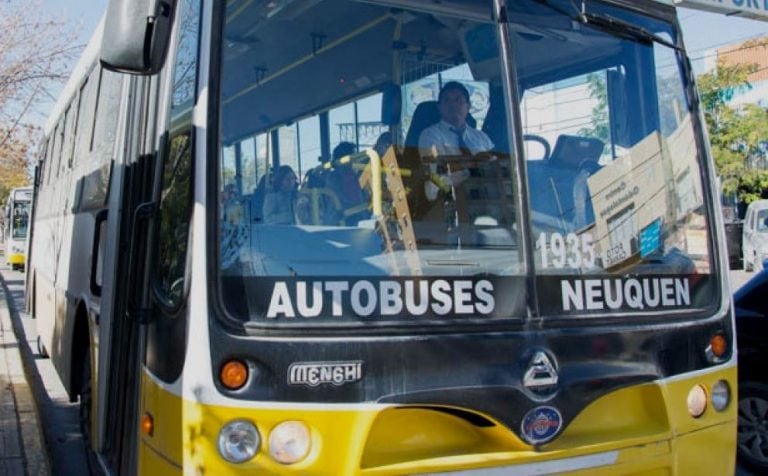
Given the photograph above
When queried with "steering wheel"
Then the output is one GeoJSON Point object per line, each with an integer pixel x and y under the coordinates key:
{"type": "Point", "coordinates": [540, 140]}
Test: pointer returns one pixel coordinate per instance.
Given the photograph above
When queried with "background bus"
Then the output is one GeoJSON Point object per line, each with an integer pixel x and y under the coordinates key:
{"type": "Point", "coordinates": [17, 213]}
{"type": "Point", "coordinates": [554, 303]}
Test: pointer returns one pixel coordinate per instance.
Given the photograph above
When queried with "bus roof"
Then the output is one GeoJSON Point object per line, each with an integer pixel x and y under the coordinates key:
{"type": "Point", "coordinates": [20, 194]}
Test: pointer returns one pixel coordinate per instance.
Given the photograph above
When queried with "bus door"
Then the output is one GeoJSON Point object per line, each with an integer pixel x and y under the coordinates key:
{"type": "Point", "coordinates": [151, 268]}
{"type": "Point", "coordinates": [130, 297]}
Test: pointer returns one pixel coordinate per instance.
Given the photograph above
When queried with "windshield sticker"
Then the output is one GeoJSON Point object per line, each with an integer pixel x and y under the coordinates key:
{"type": "Point", "coordinates": [650, 238]}
{"type": "Point", "coordinates": [572, 250]}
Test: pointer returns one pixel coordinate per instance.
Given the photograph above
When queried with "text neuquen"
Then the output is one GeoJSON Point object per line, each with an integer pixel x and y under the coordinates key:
{"type": "Point", "coordinates": [645, 293]}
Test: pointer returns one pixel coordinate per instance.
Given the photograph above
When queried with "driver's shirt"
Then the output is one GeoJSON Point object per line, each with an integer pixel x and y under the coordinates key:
{"type": "Point", "coordinates": [443, 139]}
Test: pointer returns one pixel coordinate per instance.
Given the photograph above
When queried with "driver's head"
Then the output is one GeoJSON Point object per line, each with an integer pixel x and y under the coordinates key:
{"type": "Point", "coordinates": [453, 103]}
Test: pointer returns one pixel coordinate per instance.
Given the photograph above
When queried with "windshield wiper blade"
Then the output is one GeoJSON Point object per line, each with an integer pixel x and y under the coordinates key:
{"type": "Point", "coordinates": [616, 27]}
{"type": "Point", "coordinates": [624, 29]}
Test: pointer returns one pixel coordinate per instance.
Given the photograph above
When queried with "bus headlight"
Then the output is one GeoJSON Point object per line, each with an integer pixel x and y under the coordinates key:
{"type": "Point", "coordinates": [721, 395]}
{"type": "Point", "coordinates": [289, 442]}
{"type": "Point", "coordinates": [239, 441]}
{"type": "Point", "coordinates": [697, 401]}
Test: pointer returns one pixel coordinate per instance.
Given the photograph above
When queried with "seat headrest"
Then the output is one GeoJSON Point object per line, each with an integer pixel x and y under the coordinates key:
{"type": "Point", "coordinates": [573, 151]}
{"type": "Point", "coordinates": [426, 114]}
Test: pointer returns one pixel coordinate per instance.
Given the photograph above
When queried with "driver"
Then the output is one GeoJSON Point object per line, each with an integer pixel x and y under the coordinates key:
{"type": "Point", "coordinates": [451, 136]}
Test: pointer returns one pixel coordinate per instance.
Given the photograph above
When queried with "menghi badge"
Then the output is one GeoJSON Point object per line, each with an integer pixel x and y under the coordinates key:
{"type": "Point", "coordinates": [316, 373]}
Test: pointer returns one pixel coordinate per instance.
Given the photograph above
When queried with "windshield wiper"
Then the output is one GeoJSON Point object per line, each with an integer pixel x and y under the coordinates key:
{"type": "Point", "coordinates": [611, 25]}
{"type": "Point", "coordinates": [624, 29]}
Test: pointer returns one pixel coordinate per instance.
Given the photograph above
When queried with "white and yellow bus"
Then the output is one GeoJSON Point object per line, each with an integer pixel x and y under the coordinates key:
{"type": "Point", "coordinates": [16, 226]}
{"type": "Point", "coordinates": [244, 262]}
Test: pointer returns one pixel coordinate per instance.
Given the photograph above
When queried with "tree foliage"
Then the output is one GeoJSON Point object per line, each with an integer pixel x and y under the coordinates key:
{"type": "Point", "coordinates": [738, 135]}
{"type": "Point", "coordinates": [36, 54]}
{"type": "Point", "coordinates": [13, 162]}
{"type": "Point", "coordinates": [600, 125]}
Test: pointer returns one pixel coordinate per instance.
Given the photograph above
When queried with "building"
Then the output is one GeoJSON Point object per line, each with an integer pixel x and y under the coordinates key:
{"type": "Point", "coordinates": [754, 51]}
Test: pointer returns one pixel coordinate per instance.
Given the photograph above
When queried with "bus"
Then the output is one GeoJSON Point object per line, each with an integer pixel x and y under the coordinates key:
{"type": "Point", "coordinates": [248, 259]}
{"type": "Point", "coordinates": [17, 211]}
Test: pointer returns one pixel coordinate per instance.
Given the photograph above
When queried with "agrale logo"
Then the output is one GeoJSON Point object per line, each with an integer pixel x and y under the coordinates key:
{"type": "Point", "coordinates": [541, 373]}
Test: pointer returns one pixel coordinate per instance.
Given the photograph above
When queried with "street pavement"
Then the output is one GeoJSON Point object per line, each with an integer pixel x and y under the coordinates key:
{"type": "Point", "coordinates": [39, 426]}
{"type": "Point", "coordinates": [21, 446]}
{"type": "Point", "coordinates": [47, 425]}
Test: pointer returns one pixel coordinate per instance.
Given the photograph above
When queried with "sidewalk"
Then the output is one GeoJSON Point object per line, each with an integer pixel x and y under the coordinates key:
{"type": "Point", "coordinates": [21, 445]}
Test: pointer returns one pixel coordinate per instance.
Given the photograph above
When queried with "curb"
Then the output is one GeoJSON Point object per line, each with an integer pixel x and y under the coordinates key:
{"type": "Point", "coordinates": [33, 458]}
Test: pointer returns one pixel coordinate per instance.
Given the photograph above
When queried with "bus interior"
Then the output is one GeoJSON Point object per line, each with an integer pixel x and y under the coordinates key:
{"type": "Point", "coordinates": [610, 153]}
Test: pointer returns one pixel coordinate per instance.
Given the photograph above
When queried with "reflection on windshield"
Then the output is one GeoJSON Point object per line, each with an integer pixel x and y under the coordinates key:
{"type": "Point", "coordinates": [361, 188]}
{"type": "Point", "coordinates": [378, 147]}
{"type": "Point", "coordinates": [614, 189]}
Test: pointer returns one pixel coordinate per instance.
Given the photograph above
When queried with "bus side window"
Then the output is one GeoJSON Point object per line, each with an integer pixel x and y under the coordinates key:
{"type": "Point", "coordinates": [176, 193]}
{"type": "Point", "coordinates": [174, 218]}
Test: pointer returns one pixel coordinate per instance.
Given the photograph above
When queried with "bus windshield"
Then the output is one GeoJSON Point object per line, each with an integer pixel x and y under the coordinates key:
{"type": "Point", "coordinates": [367, 172]}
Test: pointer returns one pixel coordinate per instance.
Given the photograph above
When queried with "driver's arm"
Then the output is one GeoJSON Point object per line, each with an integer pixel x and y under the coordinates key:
{"type": "Point", "coordinates": [432, 144]}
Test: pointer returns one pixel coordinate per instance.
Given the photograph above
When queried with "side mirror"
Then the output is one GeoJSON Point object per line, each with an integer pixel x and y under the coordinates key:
{"type": "Point", "coordinates": [136, 35]}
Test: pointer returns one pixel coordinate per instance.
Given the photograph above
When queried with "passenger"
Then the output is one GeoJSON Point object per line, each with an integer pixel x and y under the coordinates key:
{"type": "Point", "coordinates": [343, 149]}
{"type": "Point", "coordinates": [344, 182]}
{"type": "Point", "coordinates": [451, 136]}
{"type": "Point", "coordinates": [325, 212]}
{"type": "Point", "coordinates": [280, 198]}
{"type": "Point", "coordinates": [234, 232]}
{"type": "Point", "coordinates": [231, 205]}
{"type": "Point", "coordinates": [257, 199]}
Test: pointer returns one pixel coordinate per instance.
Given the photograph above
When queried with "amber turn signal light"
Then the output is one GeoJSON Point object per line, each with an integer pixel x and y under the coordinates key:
{"type": "Point", "coordinates": [147, 424]}
{"type": "Point", "coordinates": [233, 374]}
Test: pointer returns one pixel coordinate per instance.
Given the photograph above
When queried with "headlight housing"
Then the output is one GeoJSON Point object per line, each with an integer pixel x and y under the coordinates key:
{"type": "Point", "coordinates": [721, 395]}
{"type": "Point", "coordinates": [697, 401]}
{"type": "Point", "coordinates": [239, 441]}
{"type": "Point", "coordinates": [290, 442]}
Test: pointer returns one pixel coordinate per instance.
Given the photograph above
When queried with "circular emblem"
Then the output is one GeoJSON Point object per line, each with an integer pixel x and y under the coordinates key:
{"type": "Point", "coordinates": [541, 425]}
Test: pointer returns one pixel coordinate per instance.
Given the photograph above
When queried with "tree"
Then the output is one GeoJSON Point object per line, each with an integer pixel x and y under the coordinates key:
{"type": "Point", "coordinates": [737, 135]}
{"type": "Point", "coordinates": [13, 163]}
{"type": "Point", "coordinates": [36, 54]}
{"type": "Point", "coordinates": [600, 124]}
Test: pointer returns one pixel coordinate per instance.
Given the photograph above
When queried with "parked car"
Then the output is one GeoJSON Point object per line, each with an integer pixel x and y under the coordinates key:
{"type": "Point", "coordinates": [755, 235]}
{"type": "Point", "coordinates": [752, 337]}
